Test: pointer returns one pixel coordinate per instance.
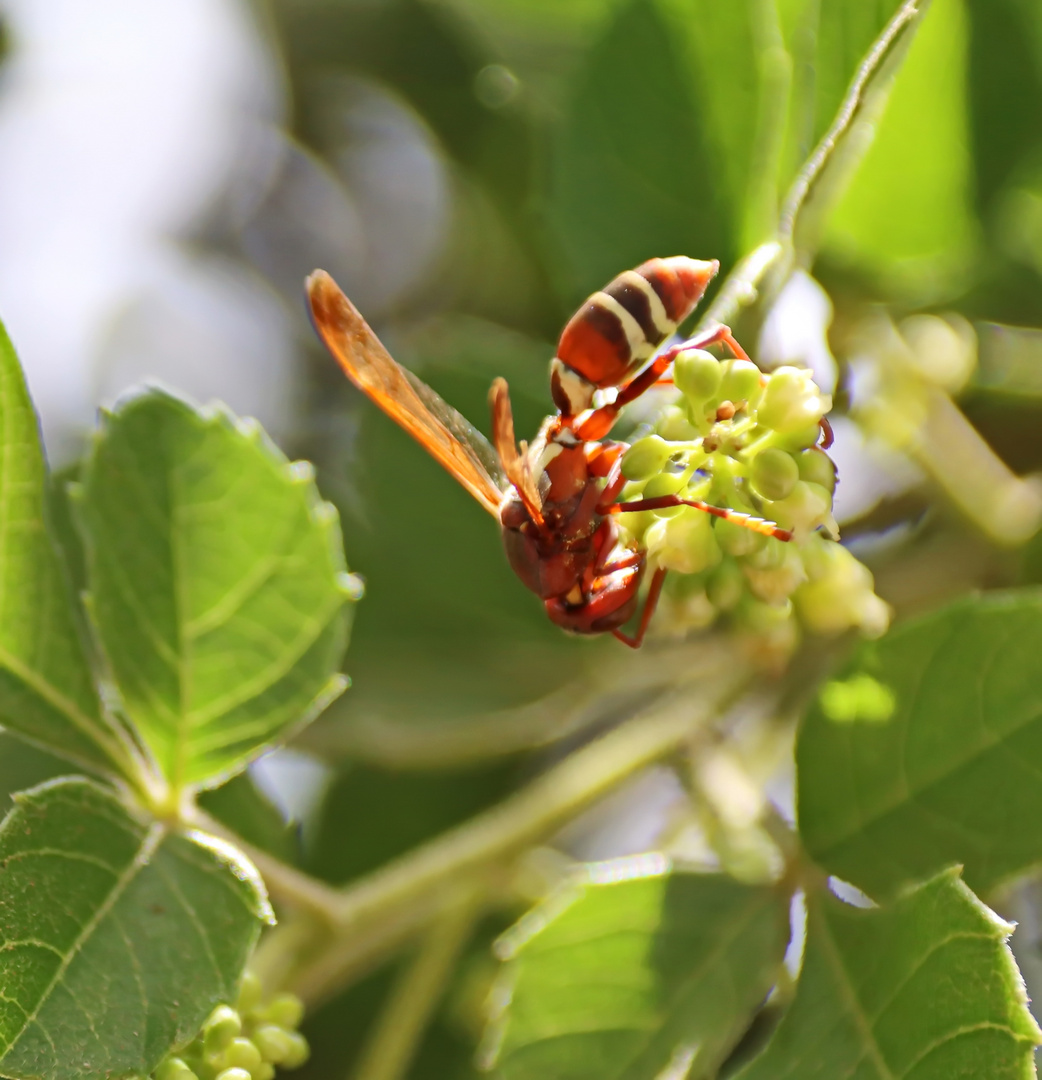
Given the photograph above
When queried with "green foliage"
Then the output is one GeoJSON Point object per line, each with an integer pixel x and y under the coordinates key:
{"type": "Point", "coordinates": [46, 687]}
{"type": "Point", "coordinates": [925, 989]}
{"type": "Point", "coordinates": [217, 584]}
{"type": "Point", "coordinates": [629, 978]}
{"type": "Point", "coordinates": [120, 934]}
{"type": "Point", "coordinates": [903, 142]}
{"type": "Point", "coordinates": [949, 773]}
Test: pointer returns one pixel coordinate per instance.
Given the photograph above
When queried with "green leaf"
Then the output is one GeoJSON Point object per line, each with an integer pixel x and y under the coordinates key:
{"type": "Point", "coordinates": [633, 173]}
{"type": "Point", "coordinates": [950, 773]}
{"type": "Point", "coordinates": [47, 691]}
{"type": "Point", "coordinates": [627, 979]}
{"type": "Point", "coordinates": [907, 213]}
{"type": "Point", "coordinates": [843, 71]}
{"type": "Point", "coordinates": [119, 936]}
{"type": "Point", "coordinates": [218, 584]}
{"type": "Point", "coordinates": [925, 990]}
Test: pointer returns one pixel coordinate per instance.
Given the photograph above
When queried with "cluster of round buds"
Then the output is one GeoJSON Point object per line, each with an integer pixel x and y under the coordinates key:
{"type": "Point", "coordinates": [242, 1042]}
{"type": "Point", "coordinates": [746, 441]}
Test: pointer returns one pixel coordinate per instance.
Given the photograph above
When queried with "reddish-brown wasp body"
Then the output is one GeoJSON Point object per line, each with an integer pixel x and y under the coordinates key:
{"type": "Point", "coordinates": [555, 499]}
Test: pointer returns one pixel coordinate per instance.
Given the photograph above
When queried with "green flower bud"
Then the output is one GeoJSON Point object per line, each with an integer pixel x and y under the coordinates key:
{"type": "Point", "coordinates": [741, 381]}
{"type": "Point", "coordinates": [791, 402]}
{"type": "Point", "coordinates": [676, 426]}
{"type": "Point", "coordinates": [250, 993]}
{"type": "Point", "coordinates": [726, 584]}
{"type": "Point", "coordinates": [799, 438]}
{"type": "Point", "coordinates": [233, 1074]}
{"type": "Point", "coordinates": [686, 543]}
{"type": "Point", "coordinates": [807, 508]}
{"type": "Point", "coordinates": [284, 1010]}
{"type": "Point", "coordinates": [697, 375]}
{"type": "Point", "coordinates": [774, 473]}
{"type": "Point", "coordinates": [769, 556]}
{"type": "Point", "coordinates": [816, 467]}
{"type": "Point", "coordinates": [762, 617]}
{"type": "Point", "coordinates": [241, 1054]}
{"type": "Point", "coordinates": [645, 458]}
{"type": "Point", "coordinates": [223, 1025]}
{"type": "Point", "coordinates": [840, 595]}
{"type": "Point", "coordinates": [774, 585]}
{"type": "Point", "coordinates": [298, 1053]}
{"type": "Point", "coordinates": [664, 484]}
{"type": "Point", "coordinates": [174, 1069]}
{"type": "Point", "coordinates": [736, 540]}
{"type": "Point", "coordinates": [275, 1044]}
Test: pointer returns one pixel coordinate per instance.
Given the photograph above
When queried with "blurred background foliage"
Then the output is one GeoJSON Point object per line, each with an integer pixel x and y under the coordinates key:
{"type": "Point", "coordinates": [468, 170]}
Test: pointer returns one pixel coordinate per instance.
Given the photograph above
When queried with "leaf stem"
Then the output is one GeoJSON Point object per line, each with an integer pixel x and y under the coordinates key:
{"type": "Point", "coordinates": [396, 1037]}
{"type": "Point", "coordinates": [374, 916]}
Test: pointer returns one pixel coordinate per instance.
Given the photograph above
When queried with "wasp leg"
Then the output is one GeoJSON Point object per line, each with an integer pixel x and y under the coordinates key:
{"type": "Point", "coordinates": [650, 604]}
{"type": "Point", "coordinates": [736, 517]}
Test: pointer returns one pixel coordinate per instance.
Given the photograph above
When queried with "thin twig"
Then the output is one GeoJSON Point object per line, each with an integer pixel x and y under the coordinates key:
{"type": "Point", "coordinates": [406, 1015]}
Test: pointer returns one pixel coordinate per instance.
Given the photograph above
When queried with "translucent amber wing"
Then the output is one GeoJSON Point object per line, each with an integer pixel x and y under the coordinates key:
{"type": "Point", "coordinates": [434, 424]}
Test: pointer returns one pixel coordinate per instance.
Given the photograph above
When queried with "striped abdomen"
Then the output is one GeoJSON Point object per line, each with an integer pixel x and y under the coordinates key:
{"type": "Point", "coordinates": [619, 328]}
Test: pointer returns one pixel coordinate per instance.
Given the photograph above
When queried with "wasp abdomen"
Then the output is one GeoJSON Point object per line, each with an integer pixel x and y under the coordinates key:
{"type": "Point", "coordinates": [620, 326]}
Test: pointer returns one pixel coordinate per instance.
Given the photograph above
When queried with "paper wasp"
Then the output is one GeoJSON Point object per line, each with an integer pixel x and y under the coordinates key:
{"type": "Point", "coordinates": [555, 498]}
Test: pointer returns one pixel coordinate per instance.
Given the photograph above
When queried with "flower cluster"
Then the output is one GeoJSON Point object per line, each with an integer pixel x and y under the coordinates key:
{"type": "Point", "coordinates": [244, 1042]}
{"type": "Point", "coordinates": [746, 441]}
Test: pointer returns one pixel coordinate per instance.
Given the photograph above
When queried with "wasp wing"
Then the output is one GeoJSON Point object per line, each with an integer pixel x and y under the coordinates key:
{"type": "Point", "coordinates": [433, 423]}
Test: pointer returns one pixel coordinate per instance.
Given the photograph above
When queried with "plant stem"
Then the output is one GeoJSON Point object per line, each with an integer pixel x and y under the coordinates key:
{"type": "Point", "coordinates": [375, 915]}
{"type": "Point", "coordinates": [407, 1013]}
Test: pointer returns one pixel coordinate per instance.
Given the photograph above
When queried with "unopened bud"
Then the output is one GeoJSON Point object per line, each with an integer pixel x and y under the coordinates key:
{"type": "Point", "coordinates": [675, 425]}
{"type": "Point", "coordinates": [816, 467]}
{"type": "Point", "coordinates": [741, 381]}
{"type": "Point", "coordinates": [686, 543]}
{"type": "Point", "coordinates": [791, 402]}
{"type": "Point", "coordinates": [697, 375]}
{"type": "Point", "coordinates": [250, 992]}
{"type": "Point", "coordinates": [274, 1044]}
{"type": "Point", "coordinates": [241, 1054]}
{"type": "Point", "coordinates": [174, 1069]}
{"type": "Point", "coordinates": [774, 473]}
{"type": "Point", "coordinates": [664, 484]}
{"type": "Point", "coordinates": [774, 585]}
{"type": "Point", "coordinates": [223, 1025]}
{"type": "Point", "coordinates": [645, 458]}
{"type": "Point", "coordinates": [284, 1010]}
{"type": "Point", "coordinates": [726, 584]}
{"type": "Point", "coordinates": [840, 595]}
{"type": "Point", "coordinates": [806, 508]}
{"type": "Point", "coordinates": [735, 539]}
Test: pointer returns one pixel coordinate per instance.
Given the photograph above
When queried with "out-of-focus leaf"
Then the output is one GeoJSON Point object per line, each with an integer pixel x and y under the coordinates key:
{"type": "Point", "coordinates": [907, 212]}
{"type": "Point", "coordinates": [1005, 97]}
{"type": "Point", "coordinates": [371, 815]}
{"type": "Point", "coordinates": [247, 811]}
{"type": "Point", "coordinates": [218, 584]}
{"type": "Point", "coordinates": [630, 979]}
{"type": "Point", "coordinates": [925, 990]}
{"type": "Point", "coordinates": [47, 691]}
{"type": "Point", "coordinates": [935, 754]}
{"type": "Point", "coordinates": [634, 173]}
{"type": "Point", "coordinates": [120, 936]}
